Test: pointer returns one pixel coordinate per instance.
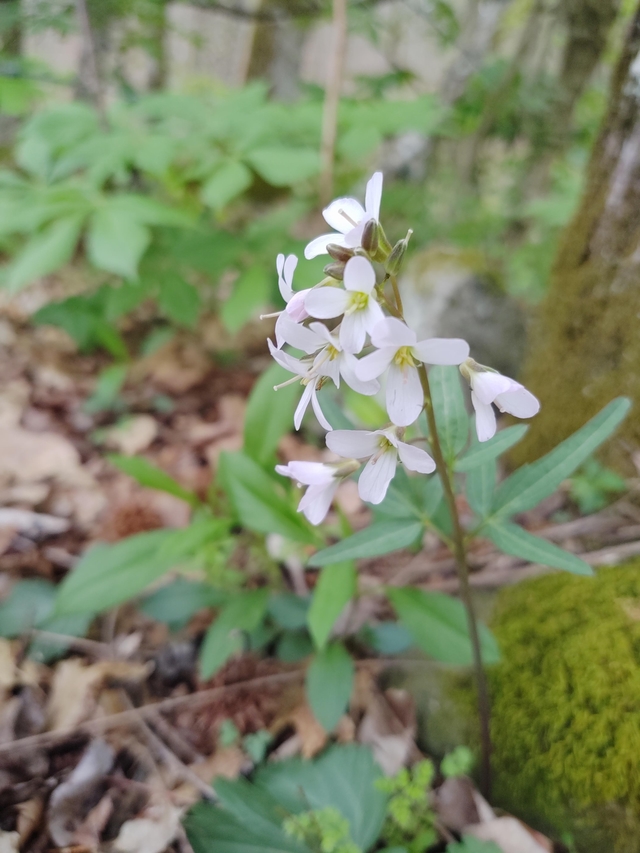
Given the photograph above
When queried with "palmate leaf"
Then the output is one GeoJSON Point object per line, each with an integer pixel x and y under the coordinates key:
{"type": "Point", "coordinates": [381, 537]}
{"type": "Point", "coordinates": [513, 539]}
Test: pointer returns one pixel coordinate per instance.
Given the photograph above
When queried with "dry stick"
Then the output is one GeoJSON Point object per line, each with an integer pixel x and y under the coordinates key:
{"type": "Point", "coordinates": [332, 101]}
{"type": "Point", "coordinates": [94, 84]}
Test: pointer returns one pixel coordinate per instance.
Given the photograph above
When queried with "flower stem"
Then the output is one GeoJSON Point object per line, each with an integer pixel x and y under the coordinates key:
{"type": "Point", "coordinates": [459, 552]}
{"type": "Point", "coordinates": [396, 294]}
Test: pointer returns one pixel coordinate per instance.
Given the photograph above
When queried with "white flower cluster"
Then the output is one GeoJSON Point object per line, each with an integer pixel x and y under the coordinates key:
{"type": "Point", "coordinates": [353, 295]}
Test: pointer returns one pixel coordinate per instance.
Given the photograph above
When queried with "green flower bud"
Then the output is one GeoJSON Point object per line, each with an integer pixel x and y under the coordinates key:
{"type": "Point", "coordinates": [340, 253]}
{"type": "Point", "coordinates": [369, 240]}
{"type": "Point", "coordinates": [396, 258]}
{"type": "Point", "coordinates": [335, 270]}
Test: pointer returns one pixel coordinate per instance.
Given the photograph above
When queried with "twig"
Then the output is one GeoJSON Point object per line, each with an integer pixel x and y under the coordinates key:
{"type": "Point", "coordinates": [332, 101]}
{"type": "Point", "coordinates": [91, 647]}
{"type": "Point", "coordinates": [94, 85]}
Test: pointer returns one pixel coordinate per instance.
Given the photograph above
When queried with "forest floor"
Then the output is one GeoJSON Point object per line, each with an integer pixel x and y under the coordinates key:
{"type": "Point", "coordinates": [128, 697]}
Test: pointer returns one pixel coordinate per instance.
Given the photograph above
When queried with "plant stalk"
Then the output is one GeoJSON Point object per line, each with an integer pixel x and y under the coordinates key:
{"type": "Point", "coordinates": [332, 101]}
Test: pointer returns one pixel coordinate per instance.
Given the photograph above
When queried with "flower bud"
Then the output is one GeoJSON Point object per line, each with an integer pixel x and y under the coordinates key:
{"type": "Point", "coordinates": [335, 270]}
{"type": "Point", "coordinates": [396, 258]}
{"type": "Point", "coordinates": [384, 246]}
{"type": "Point", "coordinates": [369, 239]}
{"type": "Point", "coordinates": [340, 253]}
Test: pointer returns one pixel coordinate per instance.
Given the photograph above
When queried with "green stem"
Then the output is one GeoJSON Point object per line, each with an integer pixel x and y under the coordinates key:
{"type": "Point", "coordinates": [396, 294]}
{"type": "Point", "coordinates": [459, 552]}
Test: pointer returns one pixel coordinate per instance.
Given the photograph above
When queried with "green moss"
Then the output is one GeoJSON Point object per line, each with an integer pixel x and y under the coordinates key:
{"type": "Point", "coordinates": [566, 705]}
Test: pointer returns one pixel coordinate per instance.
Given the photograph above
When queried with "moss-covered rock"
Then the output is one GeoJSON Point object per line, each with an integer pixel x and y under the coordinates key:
{"type": "Point", "coordinates": [566, 706]}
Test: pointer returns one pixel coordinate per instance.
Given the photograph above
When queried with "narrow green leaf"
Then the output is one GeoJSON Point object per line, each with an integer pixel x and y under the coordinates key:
{"type": "Point", "coordinates": [329, 684]}
{"type": "Point", "coordinates": [242, 613]}
{"type": "Point", "coordinates": [269, 414]}
{"type": "Point", "coordinates": [46, 252]}
{"type": "Point", "coordinates": [381, 537]}
{"type": "Point", "coordinates": [452, 419]}
{"type": "Point", "coordinates": [228, 182]}
{"type": "Point", "coordinates": [256, 499]}
{"type": "Point", "coordinates": [336, 586]}
{"type": "Point", "coordinates": [438, 625]}
{"type": "Point", "coordinates": [481, 484]}
{"type": "Point", "coordinates": [532, 483]}
{"type": "Point", "coordinates": [481, 452]}
{"type": "Point", "coordinates": [153, 478]}
{"type": "Point", "coordinates": [513, 539]}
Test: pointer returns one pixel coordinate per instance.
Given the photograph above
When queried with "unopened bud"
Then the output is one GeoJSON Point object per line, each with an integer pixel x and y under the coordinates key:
{"type": "Point", "coordinates": [369, 239]}
{"type": "Point", "coordinates": [340, 253]}
{"type": "Point", "coordinates": [396, 258]}
{"type": "Point", "coordinates": [384, 246]}
{"type": "Point", "coordinates": [335, 270]}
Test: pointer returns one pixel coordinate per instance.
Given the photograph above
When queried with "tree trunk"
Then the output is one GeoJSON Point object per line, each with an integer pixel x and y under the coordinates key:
{"type": "Point", "coordinates": [586, 347]}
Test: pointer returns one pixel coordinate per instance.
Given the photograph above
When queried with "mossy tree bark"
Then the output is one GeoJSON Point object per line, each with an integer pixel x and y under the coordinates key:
{"type": "Point", "coordinates": [585, 349]}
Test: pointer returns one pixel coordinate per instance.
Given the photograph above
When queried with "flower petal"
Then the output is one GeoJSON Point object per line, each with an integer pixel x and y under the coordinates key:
{"type": "Point", "coordinates": [374, 364]}
{"type": "Point", "coordinates": [404, 395]}
{"type": "Point", "coordinates": [373, 196]}
{"type": "Point", "coordinates": [287, 361]}
{"type": "Point", "coordinates": [442, 351]}
{"type": "Point", "coordinates": [378, 473]}
{"type": "Point", "coordinates": [359, 275]}
{"type": "Point", "coordinates": [392, 332]}
{"type": "Point", "coordinates": [302, 406]}
{"type": "Point", "coordinates": [353, 443]}
{"type": "Point", "coordinates": [487, 385]}
{"type": "Point", "coordinates": [326, 302]}
{"type": "Point", "coordinates": [518, 402]}
{"type": "Point", "coordinates": [343, 214]}
{"type": "Point", "coordinates": [415, 459]}
{"type": "Point", "coordinates": [348, 368]}
{"type": "Point", "coordinates": [485, 418]}
{"type": "Point", "coordinates": [286, 268]}
{"type": "Point", "coordinates": [309, 473]}
{"type": "Point", "coordinates": [316, 501]}
{"type": "Point", "coordinates": [315, 403]}
{"type": "Point", "coordinates": [373, 314]}
{"type": "Point", "coordinates": [296, 307]}
{"type": "Point", "coordinates": [353, 332]}
{"type": "Point", "coordinates": [298, 336]}
{"type": "Point", "coordinates": [353, 238]}
{"type": "Point", "coordinates": [318, 246]}
{"type": "Point", "coordinates": [328, 337]}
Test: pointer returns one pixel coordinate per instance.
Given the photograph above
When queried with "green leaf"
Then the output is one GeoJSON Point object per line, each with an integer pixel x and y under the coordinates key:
{"type": "Point", "coordinates": [469, 844]}
{"type": "Point", "coordinates": [108, 387]}
{"type": "Point", "coordinates": [46, 649]}
{"type": "Point", "coordinates": [242, 613]}
{"type": "Point", "coordinates": [46, 252]}
{"type": "Point", "coordinates": [228, 182]}
{"type": "Point", "coordinates": [485, 451]}
{"type": "Point", "coordinates": [329, 684]}
{"type": "Point", "coordinates": [250, 293]}
{"type": "Point", "coordinates": [294, 646]}
{"type": "Point", "coordinates": [452, 419]}
{"type": "Point", "coordinates": [116, 241]}
{"type": "Point", "coordinates": [269, 414]}
{"type": "Point", "coordinates": [336, 586]}
{"type": "Point", "coordinates": [481, 484]}
{"type": "Point", "coordinates": [256, 499]}
{"type": "Point", "coordinates": [176, 602]}
{"type": "Point", "coordinates": [210, 829]}
{"type": "Point", "coordinates": [411, 497]}
{"type": "Point", "coordinates": [29, 603]}
{"type": "Point", "coordinates": [153, 478]}
{"type": "Point", "coordinates": [513, 539]}
{"type": "Point", "coordinates": [381, 537]}
{"type": "Point", "coordinates": [256, 810]}
{"type": "Point", "coordinates": [178, 300]}
{"type": "Point", "coordinates": [289, 610]}
{"type": "Point", "coordinates": [438, 625]}
{"type": "Point", "coordinates": [532, 483]}
{"type": "Point", "coordinates": [284, 167]}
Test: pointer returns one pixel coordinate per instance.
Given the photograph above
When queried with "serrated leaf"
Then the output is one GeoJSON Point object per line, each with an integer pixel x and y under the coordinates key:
{"type": "Point", "coordinates": [532, 483]}
{"type": "Point", "coordinates": [480, 487]}
{"type": "Point", "coordinates": [151, 477]}
{"type": "Point", "coordinates": [438, 625]}
{"type": "Point", "coordinates": [242, 613]}
{"type": "Point", "coordinates": [513, 539]}
{"type": "Point", "coordinates": [229, 181]}
{"type": "Point", "coordinates": [210, 829]}
{"type": "Point", "coordinates": [336, 586]}
{"type": "Point", "coordinates": [381, 537]}
{"type": "Point", "coordinates": [329, 684]}
{"type": "Point", "coordinates": [481, 452]}
{"type": "Point", "coordinates": [269, 414]}
{"type": "Point", "coordinates": [46, 252]}
{"type": "Point", "coordinates": [116, 241]}
{"type": "Point", "coordinates": [449, 408]}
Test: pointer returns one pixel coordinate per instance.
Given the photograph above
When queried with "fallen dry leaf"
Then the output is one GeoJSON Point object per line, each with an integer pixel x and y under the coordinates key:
{"type": "Point", "coordinates": [178, 366]}
{"type": "Point", "coordinates": [153, 832]}
{"type": "Point", "coordinates": [313, 737]}
{"type": "Point", "coordinates": [455, 804]}
{"type": "Point", "coordinates": [133, 435]}
{"type": "Point", "coordinates": [29, 457]}
{"type": "Point", "coordinates": [9, 842]}
{"type": "Point", "coordinates": [33, 525]}
{"type": "Point", "coordinates": [389, 728]}
{"type": "Point", "coordinates": [13, 401]}
{"type": "Point", "coordinates": [228, 762]}
{"type": "Point", "coordinates": [511, 836]}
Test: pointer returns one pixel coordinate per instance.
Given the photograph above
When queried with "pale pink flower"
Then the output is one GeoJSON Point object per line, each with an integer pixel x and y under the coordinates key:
{"type": "Point", "coordinates": [295, 309]}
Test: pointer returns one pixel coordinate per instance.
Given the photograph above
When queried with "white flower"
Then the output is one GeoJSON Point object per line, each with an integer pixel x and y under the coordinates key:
{"type": "Point", "coordinates": [487, 387]}
{"type": "Point", "coordinates": [331, 360]}
{"type": "Point", "coordinates": [398, 349]}
{"type": "Point", "coordinates": [348, 218]}
{"type": "Point", "coordinates": [295, 309]}
{"type": "Point", "coordinates": [322, 481]}
{"type": "Point", "coordinates": [309, 377]}
{"type": "Point", "coordinates": [357, 302]}
{"type": "Point", "coordinates": [382, 447]}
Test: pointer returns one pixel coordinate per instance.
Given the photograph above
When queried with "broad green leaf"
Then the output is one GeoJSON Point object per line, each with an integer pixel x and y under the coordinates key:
{"type": "Point", "coordinates": [229, 180]}
{"type": "Point", "coordinates": [211, 829]}
{"type": "Point", "coordinates": [153, 478]}
{"type": "Point", "coordinates": [255, 809]}
{"type": "Point", "coordinates": [469, 844]}
{"type": "Point", "coordinates": [388, 638]}
{"type": "Point", "coordinates": [411, 497]}
{"type": "Point", "coordinates": [148, 211]}
{"type": "Point", "coordinates": [250, 293]}
{"type": "Point", "coordinates": [513, 539]}
{"type": "Point", "coordinates": [46, 252]}
{"type": "Point", "coordinates": [257, 501]}
{"type": "Point", "coordinates": [481, 452]}
{"type": "Point", "coordinates": [176, 602]}
{"type": "Point", "coordinates": [284, 167]}
{"type": "Point", "coordinates": [480, 487]}
{"type": "Point", "coordinates": [45, 649]}
{"type": "Point", "coordinates": [178, 300]}
{"type": "Point", "coordinates": [532, 483]}
{"type": "Point", "coordinates": [329, 684]}
{"type": "Point", "coordinates": [242, 613]}
{"type": "Point", "coordinates": [116, 241]}
{"type": "Point", "coordinates": [29, 603]}
{"type": "Point", "coordinates": [269, 414]}
{"type": "Point", "coordinates": [289, 610]}
{"type": "Point", "coordinates": [294, 646]}
{"type": "Point", "coordinates": [336, 586]}
{"type": "Point", "coordinates": [438, 625]}
{"type": "Point", "coordinates": [381, 537]}
{"type": "Point", "coordinates": [343, 777]}
{"type": "Point", "coordinates": [452, 419]}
